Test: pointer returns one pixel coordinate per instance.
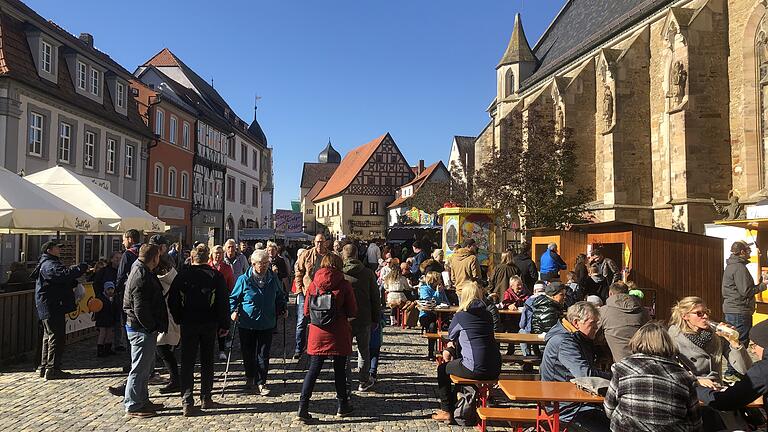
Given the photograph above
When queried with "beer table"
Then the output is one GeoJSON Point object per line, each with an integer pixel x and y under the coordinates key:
{"type": "Point", "coordinates": [545, 394]}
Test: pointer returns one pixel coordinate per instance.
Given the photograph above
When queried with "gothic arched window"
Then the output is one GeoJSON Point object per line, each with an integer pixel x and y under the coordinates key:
{"type": "Point", "coordinates": [509, 83]}
{"type": "Point", "coordinates": [229, 228]}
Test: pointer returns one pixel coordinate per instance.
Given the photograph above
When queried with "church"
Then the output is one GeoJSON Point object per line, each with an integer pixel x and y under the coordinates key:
{"type": "Point", "coordinates": [665, 101]}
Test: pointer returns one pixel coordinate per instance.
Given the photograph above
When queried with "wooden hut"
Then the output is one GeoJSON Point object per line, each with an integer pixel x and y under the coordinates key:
{"type": "Point", "coordinates": [668, 264]}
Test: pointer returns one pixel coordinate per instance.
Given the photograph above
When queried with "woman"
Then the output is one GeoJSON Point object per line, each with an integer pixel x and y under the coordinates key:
{"type": "Point", "coordinates": [472, 351]}
{"type": "Point", "coordinates": [649, 389]}
{"type": "Point", "coordinates": [431, 288]}
{"type": "Point", "coordinates": [255, 303]}
{"type": "Point", "coordinates": [328, 340]}
{"type": "Point", "coordinates": [166, 342]}
{"type": "Point", "coordinates": [701, 349]}
{"type": "Point", "coordinates": [506, 269]}
{"type": "Point", "coordinates": [396, 286]}
{"type": "Point", "coordinates": [217, 262]}
{"type": "Point", "coordinates": [436, 263]}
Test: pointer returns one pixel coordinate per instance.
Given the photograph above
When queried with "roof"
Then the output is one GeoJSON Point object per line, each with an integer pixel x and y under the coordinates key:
{"type": "Point", "coordinates": [583, 25]}
{"type": "Point", "coordinates": [256, 131]}
{"type": "Point", "coordinates": [329, 154]}
{"type": "Point", "coordinates": [314, 172]}
{"type": "Point", "coordinates": [315, 190]}
{"type": "Point", "coordinates": [417, 183]}
{"type": "Point", "coordinates": [518, 50]}
{"type": "Point", "coordinates": [466, 147]}
{"type": "Point", "coordinates": [349, 167]}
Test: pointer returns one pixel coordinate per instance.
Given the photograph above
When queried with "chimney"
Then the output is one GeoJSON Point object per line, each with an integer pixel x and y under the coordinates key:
{"type": "Point", "coordinates": [87, 38]}
{"type": "Point", "coordinates": [421, 167]}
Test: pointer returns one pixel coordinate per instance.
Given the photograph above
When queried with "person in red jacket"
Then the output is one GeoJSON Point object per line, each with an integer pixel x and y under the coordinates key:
{"type": "Point", "coordinates": [332, 340]}
{"type": "Point", "coordinates": [217, 262]}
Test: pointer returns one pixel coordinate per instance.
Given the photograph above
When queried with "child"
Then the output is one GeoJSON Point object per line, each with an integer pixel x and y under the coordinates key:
{"type": "Point", "coordinates": [106, 319]}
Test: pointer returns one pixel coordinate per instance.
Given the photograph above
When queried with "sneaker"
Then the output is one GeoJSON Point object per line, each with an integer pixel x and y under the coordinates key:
{"type": "Point", "coordinates": [117, 390]}
{"type": "Point", "coordinates": [222, 356]}
{"type": "Point", "coordinates": [297, 355]}
{"type": "Point", "coordinates": [263, 390]}
{"type": "Point", "coordinates": [56, 374]}
{"type": "Point", "coordinates": [304, 417]}
{"type": "Point", "coordinates": [366, 385]}
{"type": "Point", "coordinates": [345, 409]}
{"type": "Point", "coordinates": [190, 410]}
{"type": "Point", "coordinates": [142, 413]}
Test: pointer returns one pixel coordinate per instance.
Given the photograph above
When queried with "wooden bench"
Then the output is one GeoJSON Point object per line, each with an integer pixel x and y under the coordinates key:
{"type": "Point", "coordinates": [523, 359]}
{"type": "Point", "coordinates": [484, 388]}
{"type": "Point", "coordinates": [516, 417]}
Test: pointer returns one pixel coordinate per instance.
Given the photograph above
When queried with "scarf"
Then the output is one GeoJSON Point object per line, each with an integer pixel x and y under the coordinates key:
{"type": "Point", "coordinates": [700, 339]}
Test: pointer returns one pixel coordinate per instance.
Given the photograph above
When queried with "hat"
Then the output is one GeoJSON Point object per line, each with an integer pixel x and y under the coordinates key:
{"type": "Point", "coordinates": [51, 244]}
{"type": "Point", "coordinates": [637, 293]}
{"type": "Point", "coordinates": [759, 334]}
{"type": "Point", "coordinates": [108, 285]}
{"type": "Point", "coordinates": [739, 246]}
{"type": "Point", "coordinates": [538, 288]}
{"type": "Point", "coordinates": [595, 300]}
{"type": "Point", "coordinates": [158, 239]}
{"type": "Point", "coordinates": [553, 288]}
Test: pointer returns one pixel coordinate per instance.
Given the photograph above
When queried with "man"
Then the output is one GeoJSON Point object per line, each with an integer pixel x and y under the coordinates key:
{"type": "Point", "coordinates": [198, 300]}
{"type": "Point", "coordinates": [620, 319]}
{"type": "Point", "coordinates": [739, 291]}
{"type": "Point", "coordinates": [237, 260]}
{"type": "Point", "coordinates": [278, 265]}
{"type": "Point", "coordinates": [131, 243]}
{"type": "Point", "coordinates": [363, 282]}
{"type": "Point", "coordinates": [146, 316]}
{"type": "Point", "coordinates": [608, 269]}
{"type": "Point", "coordinates": [306, 266]}
{"type": "Point", "coordinates": [419, 256]}
{"type": "Point", "coordinates": [373, 255]}
{"type": "Point", "coordinates": [245, 250]}
{"type": "Point", "coordinates": [107, 274]}
{"type": "Point", "coordinates": [568, 354]}
{"type": "Point", "coordinates": [54, 298]}
{"type": "Point", "coordinates": [463, 264]}
{"type": "Point", "coordinates": [551, 264]}
{"type": "Point", "coordinates": [337, 246]}
{"type": "Point", "coordinates": [528, 270]}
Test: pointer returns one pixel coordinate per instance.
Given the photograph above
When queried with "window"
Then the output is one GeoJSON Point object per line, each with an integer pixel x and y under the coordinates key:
{"type": "Point", "coordinates": [185, 135]}
{"type": "Point", "coordinates": [337, 208]}
{"type": "Point", "coordinates": [129, 149]}
{"type": "Point", "coordinates": [35, 134]}
{"type": "Point", "coordinates": [242, 192]}
{"type": "Point", "coordinates": [357, 208]}
{"type": "Point", "coordinates": [65, 140]}
{"type": "Point", "coordinates": [82, 76]}
{"type": "Point", "coordinates": [95, 82]}
{"type": "Point", "coordinates": [244, 154]}
{"type": "Point", "coordinates": [120, 95]}
{"type": "Point", "coordinates": [369, 180]}
{"type": "Point", "coordinates": [46, 56]}
{"type": "Point", "coordinates": [111, 146]}
{"type": "Point", "coordinates": [184, 185]}
{"type": "Point", "coordinates": [230, 188]}
{"type": "Point", "coordinates": [172, 137]}
{"type": "Point", "coordinates": [231, 148]}
{"type": "Point", "coordinates": [254, 196]}
{"type": "Point", "coordinates": [158, 178]}
{"type": "Point", "coordinates": [159, 119]}
{"type": "Point", "coordinates": [171, 182]}
{"type": "Point", "coordinates": [89, 149]}
{"type": "Point", "coordinates": [255, 160]}
{"type": "Point", "coordinates": [374, 207]}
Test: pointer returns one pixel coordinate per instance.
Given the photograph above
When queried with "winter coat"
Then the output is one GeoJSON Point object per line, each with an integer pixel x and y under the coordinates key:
{"type": "Point", "coordinates": [226, 271]}
{"type": "Point", "coordinates": [124, 268]}
{"type": "Point", "coordinates": [239, 264]}
{"type": "Point", "coordinates": [417, 260]}
{"type": "Point", "coordinates": [546, 313]}
{"type": "Point", "coordinates": [649, 393]}
{"type": "Point", "coordinates": [106, 274]}
{"type": "Point", "coordinates": [473, 329]}
{"type": "Point", "coordinates": [739, 288]}
{"type": "Point", "coordinates": [258, 303]}
{"type": "Point", "coordinates": [306, 266]}
{"type": "Point", "coordinates": [610, 271]}
{"type": "Point", "coordinates": [551, 263]}
{"type": "Point", "coordinates": [742, 393]}
{"type": "Point", "coordinates": [373, 254]}
{"type": "Point", "coordinates": [526, 318]}
{"type": "Point", "coordinates": [464, 267]}
{"type": "Point", "coordinates": [569, 354]}
{"type": "Point", "coordinates": [282, 267]}
{"type": "Point", "coordinates": [173, 335]}
{"type": "Point", "coordinates": [54, 284]}
{"type": "Point", "coordinates": [708, 362]}
{"type": "Point", "coordinates": [431, 265]}
{"type": "Point", "coordinates": [499, 281]}
{"type": "Point", "coordinates": [143, 301]}
{"type": "Point", "coordinates": [492, 309]}
{"type": "Point", "coordinates": [336, 338]}
{"type": "Point", "coordinates": [426, 292]}
{"type": "Point", "coordinates": [109, 314]}
{"type": "Point", "coordinates": [513, 298]}
{"type": "Point", "coordinates": [367, 296]}
{"type": "Point", "coordinates": [528, 270]}
{"type": "Point", "coordinates": [194, 282]}
{"type": "Point", "coordinates": [620, 319]}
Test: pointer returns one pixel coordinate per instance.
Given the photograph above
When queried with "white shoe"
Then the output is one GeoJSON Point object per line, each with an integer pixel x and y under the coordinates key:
{"type": "Point", "coordinates": [366, 386]}
{"type": "Point", "coordinates": [263, 390]}
{"type": "Point", "coordinates": [222, 356]}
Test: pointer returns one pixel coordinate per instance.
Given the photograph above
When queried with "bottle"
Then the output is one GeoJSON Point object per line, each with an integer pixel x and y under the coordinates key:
{"type": "Point", "coordinates": [727, 332]}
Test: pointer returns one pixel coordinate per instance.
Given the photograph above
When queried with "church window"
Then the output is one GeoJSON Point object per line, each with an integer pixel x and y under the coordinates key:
{"type": "Point", "coordinates": [509, 83]}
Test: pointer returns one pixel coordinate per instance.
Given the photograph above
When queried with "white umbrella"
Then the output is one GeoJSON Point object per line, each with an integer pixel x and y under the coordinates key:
{"type": "Point", "coordinates": [82, 192]}
{"type": "Point", "coordinates": [25, 207]}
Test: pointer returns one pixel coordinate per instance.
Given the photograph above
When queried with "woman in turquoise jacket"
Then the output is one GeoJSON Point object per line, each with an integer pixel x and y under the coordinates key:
{"type": "Point", "coordinates": [256, 301]}
{"type": "Point", "coordinates": [431, 288]}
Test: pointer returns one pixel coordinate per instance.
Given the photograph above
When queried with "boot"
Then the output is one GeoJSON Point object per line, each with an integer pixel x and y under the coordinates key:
{"type": "Point", "coordinates": [100, 350]}
{"type": "Point", "coordinates": [345, 408]}
{"type": "Point", "coordinates": [108, 349]}
{"type": "Point", "coordinates": [443, 416]}
{"type": "Point", "coordinates": [303, 414]}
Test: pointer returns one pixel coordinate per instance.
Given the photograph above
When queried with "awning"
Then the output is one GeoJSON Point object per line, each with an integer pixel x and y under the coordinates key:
{"type": "Point", "coordinates": [404, 233]}
{"type": "Point", "coordinates": [256, 234]}
{"type": "Point", "coordinates": [751, 224]}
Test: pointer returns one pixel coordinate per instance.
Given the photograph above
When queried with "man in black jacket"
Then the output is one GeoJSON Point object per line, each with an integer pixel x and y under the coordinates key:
{"type": "Point", "coordinates": [131, 243]}
{"type": "Point", "coordinates": [54, 298]}
{"type": "Point", "coordinates": [146, 315]}
{"type": "Point", "coordinates": [199, 302]}
{"type": "Point", "coordinates": [528, 270]}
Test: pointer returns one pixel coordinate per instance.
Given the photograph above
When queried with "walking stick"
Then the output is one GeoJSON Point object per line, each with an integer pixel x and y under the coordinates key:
{"type": "Point", "coordinates": [229, 357]}
{"type": "Point", "coordinates": [285, 365]}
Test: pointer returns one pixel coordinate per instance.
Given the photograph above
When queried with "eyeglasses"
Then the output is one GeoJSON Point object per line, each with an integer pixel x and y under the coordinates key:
{"type": "Point", "coordinates": [701, 313]}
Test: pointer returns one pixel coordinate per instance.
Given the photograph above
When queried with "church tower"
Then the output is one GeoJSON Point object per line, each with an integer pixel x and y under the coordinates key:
{"type": "Point", "coordinates": [517, 64]}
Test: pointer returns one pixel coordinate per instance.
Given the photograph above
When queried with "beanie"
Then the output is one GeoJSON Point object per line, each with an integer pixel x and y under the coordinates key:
{"type": "Point", "coordinates": [759, 334]}
{"type": "Point", "coordinates": [553, 288]}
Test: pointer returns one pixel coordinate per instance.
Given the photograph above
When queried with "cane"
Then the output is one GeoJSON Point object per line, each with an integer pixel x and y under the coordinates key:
{"type": "Point", "coordinates": [285, 365]}
{"type": "Point", "coordinates": [229, 357]}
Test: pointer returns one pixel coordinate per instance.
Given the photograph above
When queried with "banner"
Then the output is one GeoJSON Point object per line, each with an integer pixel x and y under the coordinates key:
{"type": "Point", "coordinates": [287, 221]}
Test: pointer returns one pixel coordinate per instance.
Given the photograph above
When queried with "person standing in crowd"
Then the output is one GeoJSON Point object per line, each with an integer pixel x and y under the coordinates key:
{"type": "Point", "coordinates": [236, 259]}
{"type": "Point", "coordinates": [131, 243]}
{"type": "Point", "coordinates": [373, 255]}
{"type": "Point", "coordinates": [608, 269]}
{"type": "Point", "coordinates": [581, 271]}
{"type": "Point", "coordinates": [568, 354]}
{"type": "Point", "coordinates": [548, 309]}
{"type": "Point", "coordinates": [166, 341]}
{"type": "Point", "coordinates": [363, 282]}
{"type": "Point", "coordinates": [419, 255]}
{"type": "Point", "coordinates": [174, 253]}
{"type": "Point", "coordinates": [739, 290]}
{"type": "Point", "coordinates": [464, 265]}
{"type": "Point", "coordinates": [436, 263]}
{"type": "Point", "coordinates": [649, 389]}
{"type": "Point", "coordinates": [431, 289]}
{"type": "Point", "coordinates": [337, 246]}
{"type": "Point", "coordinates": [54, 298]}
{"type": "Point", "coordinates": [620, 319]}
{"type": "Point", "coordinates": [255, 303]}
{"type": "Point", "coordinates": [551, 264]}
{"type": "Point", "coordinates": [198, 302]}
{"type": "Point", "coordinates": [107, 274]}
{"type": "Point", "coordinates": [528, 270]}
{"type": "Point", "coordinates": [502, 273]}
{"type": "Point", "coordinates": [111, 308]}
{"type": "Point", "coordinates": [306, 266]}
{"type": "Point", "coordinates": [330, 305]}
{"type": "Point", "coordinates": [146, 316]}
{"type": "Point", "coordinates": [217, 262]}
{"type": "Point", "coordinates": [472, 351]}
{"type": "Point", "coordinates": [278, 265]}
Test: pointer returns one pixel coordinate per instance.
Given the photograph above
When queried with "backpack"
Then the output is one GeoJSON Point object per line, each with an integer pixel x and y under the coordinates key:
{"type": "Point", "coordinates": [322, 308]}
{"type": "Point", "coordinates": [465, 413]}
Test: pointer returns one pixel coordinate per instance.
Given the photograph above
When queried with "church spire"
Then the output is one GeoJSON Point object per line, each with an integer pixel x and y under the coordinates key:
{"type": "Point", "coordinates": [518, 50]}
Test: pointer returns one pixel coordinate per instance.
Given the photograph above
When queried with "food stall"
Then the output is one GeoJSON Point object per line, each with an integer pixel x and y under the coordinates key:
{"type": "Point", "coordinates": [460, 223]}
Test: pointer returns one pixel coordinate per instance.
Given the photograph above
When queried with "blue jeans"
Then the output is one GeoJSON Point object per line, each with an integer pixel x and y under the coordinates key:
{"type": "Point", "coordinates": [143, 347]}
{"type": "Point", "coordinates": [743, 323]}
{"type": "Point", "coordinates": [377, 338]}
{"type": "Point", "coordinates": [301, 324]}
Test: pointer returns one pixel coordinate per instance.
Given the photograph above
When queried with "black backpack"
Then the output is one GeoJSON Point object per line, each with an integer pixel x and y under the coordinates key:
{"type": "Point", "coordinates": [322, 308]}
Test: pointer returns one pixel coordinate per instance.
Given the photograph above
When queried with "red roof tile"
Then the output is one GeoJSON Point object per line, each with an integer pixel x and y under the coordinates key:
{"type": "Point", "coordinates": [349, 167]}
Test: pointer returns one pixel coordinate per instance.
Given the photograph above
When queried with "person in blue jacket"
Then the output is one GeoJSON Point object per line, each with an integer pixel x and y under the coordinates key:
{"type": "Point", "coordinates": [419, 256]}
{"type": "Point", "coordinates": [431, 288]}
{"type": "Point", "coordinates": [255, 303]}
{"type": "Point", "coordinates": [551, 264]}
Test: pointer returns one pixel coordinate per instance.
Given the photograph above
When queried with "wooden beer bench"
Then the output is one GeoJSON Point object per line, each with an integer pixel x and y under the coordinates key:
{"type": "Point", "coordinates": [483, 395]}
{"type": "Point", "coordinates": [516, 417]}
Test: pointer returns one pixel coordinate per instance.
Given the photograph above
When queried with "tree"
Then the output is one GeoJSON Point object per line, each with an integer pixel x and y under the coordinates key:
{"type": "Point", "coordinates": [431, 196]}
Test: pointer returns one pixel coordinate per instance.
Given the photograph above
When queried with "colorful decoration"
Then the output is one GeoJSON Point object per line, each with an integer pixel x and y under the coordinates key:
{"type": "Point", "coordinates": [461, 223]}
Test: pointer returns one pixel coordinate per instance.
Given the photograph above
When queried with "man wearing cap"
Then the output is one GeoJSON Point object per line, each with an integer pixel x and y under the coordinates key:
{"type": "Point", "coordinates": [464, 265]}
{"type": "Point", "coordinates": [739, 291]}
{"type": "Point", "coordinates": [54, 298]}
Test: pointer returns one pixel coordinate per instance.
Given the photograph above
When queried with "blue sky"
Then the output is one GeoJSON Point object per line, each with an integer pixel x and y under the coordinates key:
{"type": "Point", "coordinates": [350, 70]}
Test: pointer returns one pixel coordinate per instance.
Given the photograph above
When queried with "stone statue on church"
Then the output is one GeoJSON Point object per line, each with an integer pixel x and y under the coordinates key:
{"type": "Point", "coordinates": [559, 118]}
{"type": "Point", "coordinates": [733, 211]}
{"type": "Point", "coordinates": [679, 79]}
{"type": "Point", "coordinates": [608, 107]}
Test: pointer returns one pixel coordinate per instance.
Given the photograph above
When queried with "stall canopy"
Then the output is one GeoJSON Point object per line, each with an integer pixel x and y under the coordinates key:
{"type": "Point", "coordinates": [25, 207]}
{"type": "Point", "coordinates": [85, 194]}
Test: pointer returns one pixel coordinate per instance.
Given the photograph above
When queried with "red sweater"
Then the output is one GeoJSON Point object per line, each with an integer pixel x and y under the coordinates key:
{"type": "Point", "coordinates": [226, 271]}
{"type": "Point", "coordinates": [336, 339]}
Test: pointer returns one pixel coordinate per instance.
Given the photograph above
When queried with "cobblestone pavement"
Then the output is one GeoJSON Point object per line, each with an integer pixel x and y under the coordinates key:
{"type": "Point", "coordinates": [402, 399]}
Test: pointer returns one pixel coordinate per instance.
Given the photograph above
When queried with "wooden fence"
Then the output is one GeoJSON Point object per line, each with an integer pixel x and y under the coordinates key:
{"type": "Point", "coordinates": [19, 328]}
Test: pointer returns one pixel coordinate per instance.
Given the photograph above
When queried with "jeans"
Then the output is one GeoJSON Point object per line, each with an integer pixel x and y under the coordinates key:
{"type": "Point", "coordinates": [194, 336]}
{"type": "Point", "coordinates": [743, 323]}
{"type": "Point", "coordinates": [169, 360]}
{"type": "Point", "coordinates": [255, 345]}
{"type": "Point", "coordinates": [377, 339]}
{"type": "Point", "coordinates": [339, 376]}
{"type": "Point", "coordinates": [444, 386]}
{"type": "Point", "coordinates": [54, 333]}
{"type": "Point", "coordinates": [301, 324]}
{"type": "Point", "coordinates": [142, 362]}
{"type": "Point", "coordinates": [429, 323]}
{"type": "Point", "coordinates": [361, 334]}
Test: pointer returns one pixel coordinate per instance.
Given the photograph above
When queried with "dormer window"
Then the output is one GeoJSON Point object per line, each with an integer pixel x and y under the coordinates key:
{"type": "Point", "coordinates": [120, 95]}
{"type": "Point", "coordinates": [95, 82]}
{"type": "Point", "coordinates": [46, 57]}
{"type": "Point", "coordinates": [82, 75]}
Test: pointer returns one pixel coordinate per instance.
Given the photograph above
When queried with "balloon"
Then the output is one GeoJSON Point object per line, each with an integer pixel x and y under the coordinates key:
{"type": "Point", "coordinates": [95, 305]}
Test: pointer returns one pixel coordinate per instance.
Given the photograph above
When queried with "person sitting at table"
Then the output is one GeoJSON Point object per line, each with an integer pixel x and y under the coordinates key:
{"type": "Point", "coordinates": [526, 317]}
{"type": "Point", "coordinates": [569, 353]}
{"type": "Point", "coordinates": [548, 309]}
{"type": "Point", "coordinates": [431, 288]}
{"type": "Point", "coordinates": [396, 286]}
{"type": "Point", "coordinates": [472, 351]}
{"type": "Point", "coordinates": [516, 295]}
{"type": "Point", "coordinates": [649, 389]}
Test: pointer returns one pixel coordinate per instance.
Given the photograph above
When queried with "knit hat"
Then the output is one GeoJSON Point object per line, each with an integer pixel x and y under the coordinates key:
{"type": "Point", "coordinates": [759, 334]}
{"type": "Point", "coordinates": [595, 300]}
{"type": "Point", "coordinates": [538, 288]}
{"type": "Point", "coordinates": [553, 288]}
{"type": "Point", "coordinates": [637, 293]}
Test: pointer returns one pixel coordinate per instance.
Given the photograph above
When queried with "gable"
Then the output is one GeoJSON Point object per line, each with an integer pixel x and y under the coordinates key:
{"type": "Point", "coordinates": [383, 173]}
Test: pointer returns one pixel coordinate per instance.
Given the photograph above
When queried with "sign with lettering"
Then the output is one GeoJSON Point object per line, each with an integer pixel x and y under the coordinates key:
{"type": "Point", "coordinates": [287, 221]}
